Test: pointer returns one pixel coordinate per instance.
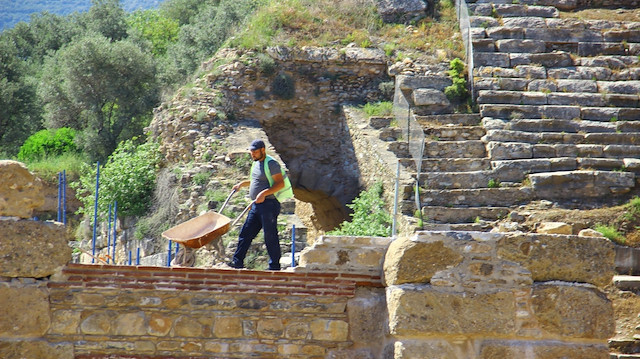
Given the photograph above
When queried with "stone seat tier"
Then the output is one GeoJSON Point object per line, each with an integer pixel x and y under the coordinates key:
{"type": "Point", "coordinates": [541, 46]}
{"type": "Point", "coordinates": [624, 138]}
{"type": "Point", "coordinates": [450, 214]}
{"type": "Point", "coordinates": [447, 164]}
{"type": "Point", "coordinates": [449, 133]}
{"type": "Point", "coordinates": [562, 112]}
{"type": "Point", "coordinates": [559, 93]}
{"type": "Point", "coordinates": [491, 197]}
{"type": "Point", "coordinates": [462, 119]}
{"type": "Point", "coordinates": [552, 60]}
{"type": "Point", "coordinates": [571, 126]}
{"type": "Point", "coordinates": [517, 170]}
{"type": "Point", "coordinates": [518, 150]}
{"type": "Point", "coordinates": [443, 149]}
{"type": "Point", "coordinates": [531, 72]}
{"type": "Point", "coordinates": [458, 180]}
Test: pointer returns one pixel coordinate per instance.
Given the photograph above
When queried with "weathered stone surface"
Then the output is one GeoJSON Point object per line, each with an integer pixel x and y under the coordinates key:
{"type": "Point", "coordinates": [554, 228]}
{"type": "Point", "coordinates": [367, 315]}
{"type": "Point", "coordinates": [571, 184]}
{"type": "Point", "coordinates": [403, 11]}
{"type": "Point", "coordinates": [35, 349]}
{"type": "Point", "coordinates": [97, 323]}
{"type": "Point", "coordinates": [509, 151]}
{"type": "Point", "coordinates": [65, 321]}
{"type": "Point", "coordinates": [130, 324]}
{"type": "Point", "coordinates": [497, 349]}
{"type": "Point", "coordinates": [527, 46]}
{"type": "Point", "coordinates": [24, 311]}
{"type": "Point", "coordinates": [430, 97]}
{"type": "Point", "coordinates": [424, 311]}
{"type": "Point", "coordinates": [413, 261]}
{"type": "Point", "coordinates": [560, 257]}
{"type": "Point", "coordinates": [420, 349]}
{"type": "Point", "coordinates": [574, 311]}
{"type": "Point", "coordinates": [32, 249]}
{"type": "Point", "coordinates": [227, 327]}
{"type": "Point", "coordinates": [352, 254]}
{"type": "Point", "coordinates": [20, 190]}
{"type": "Point", "coordinates": [332, 330]}
{"type": "Point", "coordinates": [404, 82]}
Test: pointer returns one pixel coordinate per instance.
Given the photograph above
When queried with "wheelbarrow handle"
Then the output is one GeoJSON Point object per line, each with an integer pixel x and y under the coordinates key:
{"type": "Point", "coordinates": [242, 214]}
{"type": "Point", "coordinates": [227, 200]}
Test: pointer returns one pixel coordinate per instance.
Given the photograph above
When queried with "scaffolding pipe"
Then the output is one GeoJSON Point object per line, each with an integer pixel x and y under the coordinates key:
{"type": "Point", "coordinates": [109, 234]}
{"type": "Point", "coordinates": [293, 246]}
{"type": "Point", "coordinates": [115, 220]}
{"type": "Point", "coordinates": [64, 196]}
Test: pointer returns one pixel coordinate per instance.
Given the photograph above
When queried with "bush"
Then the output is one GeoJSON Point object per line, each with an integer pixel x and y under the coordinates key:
{"type": "Point", "coordinates": [369, 217]}
{"type": "Point", "coordinates": [458, 90]}
{"type": "Point", "coordinates": [47, 143]}
{"type": "Point", "coordinates": [128, 177]}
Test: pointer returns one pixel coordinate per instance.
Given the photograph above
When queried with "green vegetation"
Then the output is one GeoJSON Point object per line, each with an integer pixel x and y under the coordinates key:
{"type": "Point", "coordinates": [128, 177]}
{"type": "Point", "coordinates": [382, 108]}
{"type": "Point", "coordinates": [610, 233]}
{"type": "Point", "coordinates": [369, 218]}
{"type": "Point", "coordinates": [458, 90]}
{"type": "Point", "coordinates": [48, 143]}
{"type": "Point", "coordinates": [493, 183]}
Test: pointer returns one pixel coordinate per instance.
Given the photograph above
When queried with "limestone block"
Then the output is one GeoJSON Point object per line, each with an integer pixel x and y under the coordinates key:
{"type": "Point", "coordinates": [571, 310]}
{"type": "Point", "coordinates": [430, 97]}
{"type": "Point", "coordinates": [65, 321]}
{"type": "Point", "coordinates": [270, 328]}
{"type": "Point", "coordinates": [98, 323]}
{"type": "Point", "coordinates": [509, 151]}
{"type": "Point", "coordinates": [24, 311]}
{"type": "Point", "coordinates": [405, 82]}
{"type": "Point", "coordinates": [409, 261]}
{"type": "Point", "coordinates": [424, 311]}
{"type": "Point", "coordinates": [20, 190]}
{"type": "Point", "coordinates": [561, 257]}
{"type": "Point", "coordinates": [367, 312]}
{"type": "Point", "coordinates": [227, 327]}
{"type": "Point", "coordinates": [515, 45]}
{"type": "Point", "coordinates": [35, 349]}
{"type": "Point", "coordinates": [32, 249]}
{"type": "Point", "coordinates": [420, 349]}
{"type": "Point", "coordinates": [130, 324]}
{"type": "Point", "coordinates": [494, 349]}
{"type": "Point", "coordinates": [505, 32]}
{"type": "Point", "coordinates": [403, 11]}
{"type": "Point", "coordinates": [554, 228]}
{"type": "Point", "coordinates": [329, 330]}
{"type": "Point", "coordinates": [589, 233]}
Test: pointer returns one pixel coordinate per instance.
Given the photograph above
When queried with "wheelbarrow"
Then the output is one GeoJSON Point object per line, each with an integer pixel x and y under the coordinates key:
{"type": "Point", "coordinates": [200, 231]}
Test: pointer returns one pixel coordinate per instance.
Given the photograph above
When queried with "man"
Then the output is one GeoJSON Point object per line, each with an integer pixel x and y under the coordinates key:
{"type": "Point", "coordinates": [265, 209]}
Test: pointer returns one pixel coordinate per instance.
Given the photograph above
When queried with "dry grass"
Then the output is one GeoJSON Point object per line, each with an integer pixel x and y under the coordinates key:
{"type": "Point", "coordinates": [604, 14]}
{"type": "Point", "coordinates": [336, 23]}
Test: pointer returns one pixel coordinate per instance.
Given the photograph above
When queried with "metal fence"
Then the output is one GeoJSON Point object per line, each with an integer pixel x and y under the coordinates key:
{"type": "Point", "coordinates": [462, 12]}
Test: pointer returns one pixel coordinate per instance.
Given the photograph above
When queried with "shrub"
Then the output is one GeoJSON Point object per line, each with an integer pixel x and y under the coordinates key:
{"type": "Point", "coordinates": [128, 177]}
{"type": "Point", "coordinates": [458, 90]}
{"type": "Point", "coordinates": [47, 143]}
{"type": "Point", "coordinates": [369, 217]}
{"type": "Point", "coordinates": [283, 86]}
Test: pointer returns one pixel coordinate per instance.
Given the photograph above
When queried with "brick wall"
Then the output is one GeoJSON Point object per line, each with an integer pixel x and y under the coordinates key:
{"type": "Point", "coordinates": [153, 312]}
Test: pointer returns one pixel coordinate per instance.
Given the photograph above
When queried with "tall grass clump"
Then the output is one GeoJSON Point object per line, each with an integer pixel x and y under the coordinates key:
{"type": "Point", "coordinates": [381, 108]}
{"type": "Point", "coordinates": [369, 218]}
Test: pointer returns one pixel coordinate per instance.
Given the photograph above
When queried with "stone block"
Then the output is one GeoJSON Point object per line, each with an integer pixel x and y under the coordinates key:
{"type": "Point", "coordinates": [430, 97]}
{"type": "Point", "coordinates": [65, 321]}
{"type": "Point", "coordinates": [521, 46]}
{"type": "Point", "coordinates": [561, 257]}
{"type": "Point", "coordinates": [505, 32]}
{"type": "Point", "coordinates": [329, 330]}
{"type": "Point", "coordinates": [491, 59]}
{"type": "Point", "coordinates": [24, 311]}
{"type": "Point", "coordinates": [130, 324]}
{"type": "Point", "coordinates": [270, 328]}
{"type": "Point", "coordinates": [509, 151]}
{"type": "Point", "coordinates": [571, 310]}
{"type": "Point", "coordinates": [227, 327]}
{"type": "Point", "coordinates": [541, 349]}
{"type": "Point", "coordinates": [97, 323]}
{"type": "Point", "coordinates": [421, 349]}
{"type": "Point", "coordinates": [35, 349]}
{"type": "Point", "coordinates": [405, 82]}
{"type": "Point", "coordinates": [20, 190]}
{"type": "Point", "coordinates": [554, 228]}
{"type": "Point", "coordinates": [402, 11]}
{"type": "Point", "coordinates": [367, 316]}
{"type": "Point", "coordinates": [33, 249]}
{"type": "Point", "coordinates": [416, 261]}
{"type": "Point", "coordinates": [424, 311]}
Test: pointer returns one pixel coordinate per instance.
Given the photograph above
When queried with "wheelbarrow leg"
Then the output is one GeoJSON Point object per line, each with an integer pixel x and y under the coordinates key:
{"type": "Point", "coordinates": [186, 257]}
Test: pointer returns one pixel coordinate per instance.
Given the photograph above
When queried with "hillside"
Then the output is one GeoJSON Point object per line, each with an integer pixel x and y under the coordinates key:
{"type": "Point", "coordinates": [14, 11]}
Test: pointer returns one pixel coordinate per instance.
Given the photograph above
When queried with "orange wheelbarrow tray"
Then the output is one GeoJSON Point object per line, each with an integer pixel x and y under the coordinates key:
{"type": "Point", "coordinates": [200, 230]}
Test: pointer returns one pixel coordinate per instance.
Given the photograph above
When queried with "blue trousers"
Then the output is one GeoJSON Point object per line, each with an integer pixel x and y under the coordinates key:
{"type": "Point", "coordinates": [261, 216]}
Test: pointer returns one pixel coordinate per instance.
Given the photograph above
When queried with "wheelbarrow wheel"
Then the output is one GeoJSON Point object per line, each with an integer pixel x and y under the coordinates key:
{"type": "Point", "coordinates": [186, 257]}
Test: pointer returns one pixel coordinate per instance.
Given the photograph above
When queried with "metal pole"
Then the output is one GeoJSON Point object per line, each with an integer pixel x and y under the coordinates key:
{"type": "Point", "coordinates": [64, 196]}
{"type": "Point", "coordinates": [293, 246]}
{"type": "Point", "coordinates": [129, 257]}
{"type": "Point", "coordinates": [395, 202]}
{"type": "Point", "coordinates": [115, 220]}
{"type": "Point", "coordinates": [59, 219]}
{"type": "Point", "coordinates": [109, 234]}
{"type": "Point", "coordinates": [138, 257]}
{"type": "Point", "coordinates": [169, 255]}
{"type": "Point", "coordinates": [95, 212]}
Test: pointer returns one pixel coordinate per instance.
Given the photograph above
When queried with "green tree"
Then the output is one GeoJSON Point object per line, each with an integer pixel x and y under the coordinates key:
{"type": "Point", "coordinates": [161, 31]}
{"type": "Point", "coordinates": [101, 88]}
{"type": "Point", "coordinates": [105, 17]}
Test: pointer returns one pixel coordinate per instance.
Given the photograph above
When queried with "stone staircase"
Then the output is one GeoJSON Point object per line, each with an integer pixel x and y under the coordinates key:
{"type": "Point", "coordinates": [559, 110]}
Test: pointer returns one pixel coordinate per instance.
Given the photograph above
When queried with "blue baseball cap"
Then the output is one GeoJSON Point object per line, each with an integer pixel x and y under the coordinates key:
{"type": "Point", "coordinates": [256, 144]}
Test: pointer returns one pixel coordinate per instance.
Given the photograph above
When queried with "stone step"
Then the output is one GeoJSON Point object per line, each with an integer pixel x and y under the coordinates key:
{"type": "Point", "coordinates": [440, 133]}
{"type": "Point", "coordinates": [491, 197]}
{"type": "Point", "coordinates": [463, 119]}
{"type": "Point", "coordinates": [448, 164]}
{"type": "Point", "coordinates": [510, 46]}
{"type": "Point", "coordinates": [515, 150]}
{"type": "Point", "coordinates": [517, 170]}
{"type": "Point", "coordinates": [457, 180]}
{"type": "Point", "coordinates": [581, 184]}
{"type": "Point", "coordinates": [480, 226]}
{"type": "Point", "coordinates": [559, 92]}
{"type": "Point", "coordinates": [556, 59]}
{"type": "Point", "coordinates": [613, 138]}
{"type": "Point", "coordinates": [560, 5]}
{"type": "Point", "coordinates": [571, 126]}
{"type": "Point", "coordinates": [506, 10]}
{"type": "Point", "coordinates": [624, 348]}
{"type": "Point", "coordinates": [512, 111]}
{"type": "Point", "coordinates": [598, 73]}
{"type": "Point", "coordinates": [443, 214]}
{"type": "Point", "coordinates": [443, 149]}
